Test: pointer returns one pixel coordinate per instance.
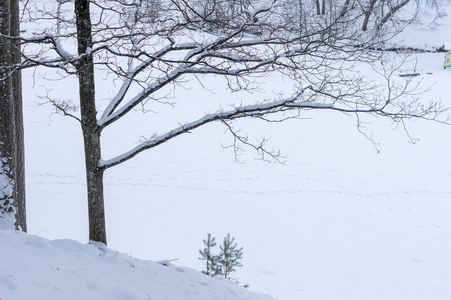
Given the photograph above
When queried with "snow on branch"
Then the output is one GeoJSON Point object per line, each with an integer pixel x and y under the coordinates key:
{"type": "Point", "coordinates": [194, 62]}
{"type": "Point", "coordinates": [131, 74]}
{"type": "Point", "coordinates": [254, 110]}
{"type": "Point", "coordinates": [396, 111]}
{"type": "Point", "coordinates": [250, 111]}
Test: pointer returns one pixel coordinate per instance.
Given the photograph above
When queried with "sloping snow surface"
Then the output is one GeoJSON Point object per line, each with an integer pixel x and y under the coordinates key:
{"type": "Point", "coordinates": [35, 268]}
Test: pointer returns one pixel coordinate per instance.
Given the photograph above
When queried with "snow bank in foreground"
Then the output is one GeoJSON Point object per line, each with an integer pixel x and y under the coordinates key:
{"type": "Point", "coordinates": [36, 268]}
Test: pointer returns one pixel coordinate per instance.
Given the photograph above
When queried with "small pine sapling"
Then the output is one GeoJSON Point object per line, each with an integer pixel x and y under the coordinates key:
{"type": "Point", "coordinates": [230, 256]}
{"type": "Point", "coordinates": [212, 267]}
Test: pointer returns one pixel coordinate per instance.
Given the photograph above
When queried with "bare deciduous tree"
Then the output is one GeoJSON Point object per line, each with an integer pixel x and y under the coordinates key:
{"type": "Point", "coordinates": [149, 55]}
{"type": "Point", "coordinates": [370, 15]}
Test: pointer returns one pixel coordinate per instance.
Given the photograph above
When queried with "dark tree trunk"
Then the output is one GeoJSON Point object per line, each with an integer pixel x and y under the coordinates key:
{"type": "Point", "coordinates": [368, 15]}
{"type": "Point", "coordinates": [345, 8]}
{"type": "Point", "coordinates": [91, 134]}
{"type": "Point", "coordinates": [19, 154]}
{"type": "Point", "coordinates": [7, 123]}
{"type": "Point", "coordinates": [301, 18]}
{"type": "Point", "coordinates": [318, 7]}
{"type": "Point", "coordinates": [392, 12]}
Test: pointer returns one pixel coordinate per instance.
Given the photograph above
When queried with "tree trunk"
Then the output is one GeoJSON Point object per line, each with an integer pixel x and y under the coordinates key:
{"type": "Point", "coordinates": [392, 11]}
{"type": "Point", "coordinates": [7, 123]}
{"type": "Point", "coordinates": [318, 7]}
{"type": "Point", "coordinates": [368, 14]}
{"type": "Point", "coordinates": [345, 8]}
{"type": "Point", "coordinates": [91, 134]}
{"type": "Point", "coordinates": [301, 18]}
{"type": "Point", "coordinates": [19, 154]}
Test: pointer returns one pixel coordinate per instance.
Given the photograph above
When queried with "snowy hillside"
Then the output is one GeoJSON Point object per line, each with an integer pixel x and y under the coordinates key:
{"type": "Point", "coordinates": [64, 269]}
{"type": "Point", "coordinates": [341, 219]}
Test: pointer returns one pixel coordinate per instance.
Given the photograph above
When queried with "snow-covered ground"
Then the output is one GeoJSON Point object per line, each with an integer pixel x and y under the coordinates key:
{"type": "Point", "coordinates": [340, 220]}
{"type": "Point", "coordinates": [35, 268]}
{"type": "Point", "coordinates": [429, 31]}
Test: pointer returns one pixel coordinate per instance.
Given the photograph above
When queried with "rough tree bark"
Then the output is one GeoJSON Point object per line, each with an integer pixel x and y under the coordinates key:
{"type": "Point", "coordinates": [19, 167]}
{"type": "Point", "coordinates": [91, 132]}
{"type": "Point", "coordinates": [6, 113]}
{"type": "Point", "coordinates": [11, 119]}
